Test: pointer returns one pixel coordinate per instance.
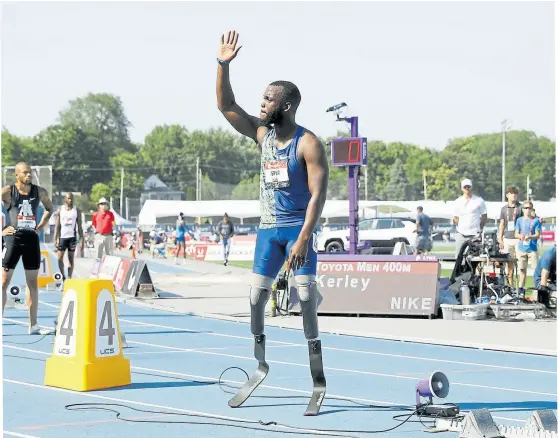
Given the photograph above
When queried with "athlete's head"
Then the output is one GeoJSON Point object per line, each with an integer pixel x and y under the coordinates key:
{"type": "Point", "coordinates": [69, 200]}
{"type": "Point", "coordinates": [225, 218]}
{"type": "Point", "coordinates": [280, 101]}
{"type": "Point", "coordinates": [23, 173]}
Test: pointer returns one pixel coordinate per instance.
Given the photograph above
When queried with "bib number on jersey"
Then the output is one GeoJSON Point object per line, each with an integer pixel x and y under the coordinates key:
{"type": "Point", "coordinates": [26, 222]}
{"type": "Point", "coordinates": [276, 174]}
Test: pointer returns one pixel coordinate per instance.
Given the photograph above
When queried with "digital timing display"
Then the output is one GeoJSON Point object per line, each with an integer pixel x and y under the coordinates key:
{"type": "Point", "coordinates": [348, 151]}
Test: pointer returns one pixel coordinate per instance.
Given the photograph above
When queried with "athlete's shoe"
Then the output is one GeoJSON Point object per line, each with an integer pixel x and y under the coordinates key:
{"type": "Point", "coordinates": [35, 330]}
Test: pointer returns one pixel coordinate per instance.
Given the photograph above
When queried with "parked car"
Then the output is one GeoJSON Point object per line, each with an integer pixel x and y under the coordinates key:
{"type": "Point", "coordinates": [382, 232]}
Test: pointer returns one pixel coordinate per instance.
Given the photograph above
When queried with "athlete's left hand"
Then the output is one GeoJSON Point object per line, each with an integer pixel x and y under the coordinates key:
{"type": "Point", "coordinates": [297, 255]}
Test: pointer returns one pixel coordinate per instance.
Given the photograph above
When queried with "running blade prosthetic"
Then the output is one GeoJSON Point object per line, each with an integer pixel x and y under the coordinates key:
{"type": "Point", "coordinates": [258, 377]}
{"type": "Point", "coordinates": [318, 378]}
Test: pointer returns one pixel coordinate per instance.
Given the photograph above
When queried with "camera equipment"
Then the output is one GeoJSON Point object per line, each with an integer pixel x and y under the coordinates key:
{"type": "Point", "coordinates": [282, 287]}
{"type": "Point", "coordinates": [470, 267]}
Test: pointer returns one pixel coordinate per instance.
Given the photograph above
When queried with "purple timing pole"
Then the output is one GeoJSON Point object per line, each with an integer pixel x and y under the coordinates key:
{"type": "Point", "coordinates": [353, 195]}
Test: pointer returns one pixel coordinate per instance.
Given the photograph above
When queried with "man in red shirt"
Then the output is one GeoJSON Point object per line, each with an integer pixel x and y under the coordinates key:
{"type": "Point", "coordinates": [103, 221]}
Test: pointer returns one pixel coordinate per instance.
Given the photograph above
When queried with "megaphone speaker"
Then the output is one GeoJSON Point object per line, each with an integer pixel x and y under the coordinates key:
{"type": "Point", "coordinates": [437, 385]}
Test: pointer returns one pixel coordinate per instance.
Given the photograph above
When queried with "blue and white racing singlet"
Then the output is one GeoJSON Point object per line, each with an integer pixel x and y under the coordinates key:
{"type": "Point", "coordinates": [284, 192]}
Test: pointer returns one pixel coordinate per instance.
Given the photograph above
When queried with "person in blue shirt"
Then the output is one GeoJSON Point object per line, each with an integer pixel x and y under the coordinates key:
{"type": "Point", "coordinates": [528, 231]}
{"type": "Point", "coordinates": [545, 273]}
{"type": "Point", "coordinates": [180, 239]}
{"type": "Point", "coordinates": [423, 242]}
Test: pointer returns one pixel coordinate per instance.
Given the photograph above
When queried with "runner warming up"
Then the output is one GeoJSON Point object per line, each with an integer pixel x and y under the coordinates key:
{"type": "Point", "coordinates": [293, 186]}
{"type": "Point", "coordinates": [21, 236]}
{"type": "Point", "coordinates": [66, 229]}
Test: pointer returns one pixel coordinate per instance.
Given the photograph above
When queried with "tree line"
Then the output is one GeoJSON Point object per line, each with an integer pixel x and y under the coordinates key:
{"type": "Point", "coordinates": [90, 144]}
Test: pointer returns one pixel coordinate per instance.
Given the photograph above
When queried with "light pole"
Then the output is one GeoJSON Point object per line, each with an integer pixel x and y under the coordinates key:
{"type": "Point", "coordinates": [506, 125]}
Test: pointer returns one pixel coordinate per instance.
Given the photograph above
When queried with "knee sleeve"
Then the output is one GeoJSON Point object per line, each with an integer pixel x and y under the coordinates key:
{"type": "Point", "coordinates": [308, 294]}
{"type": "Point", "coordinates": [259, 295]}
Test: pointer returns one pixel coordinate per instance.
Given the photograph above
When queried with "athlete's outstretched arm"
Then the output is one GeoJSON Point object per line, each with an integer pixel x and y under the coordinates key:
{"type": "Point", "coordinates": [240, 120]}
{"type": "Point", "coordinates": [47, 203]}
{"type": "Point", "coordinates": [317, 167]}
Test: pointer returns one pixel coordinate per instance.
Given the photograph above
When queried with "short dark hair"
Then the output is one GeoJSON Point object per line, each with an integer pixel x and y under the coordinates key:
{"type": "Point", "coordinates": [290, 92]}
{"type": "Point", "coordinates": [419, 208]}
{"type": "Point", "coordinates": [512, 189]}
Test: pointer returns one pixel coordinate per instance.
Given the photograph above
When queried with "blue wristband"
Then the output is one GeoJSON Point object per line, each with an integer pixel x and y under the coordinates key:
{"type": "Point", "coordinates": [222, 62]}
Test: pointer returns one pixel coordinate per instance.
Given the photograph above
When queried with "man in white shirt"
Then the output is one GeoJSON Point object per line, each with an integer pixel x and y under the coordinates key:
{"type": "Point", "coordinates": [66, 230]}
{"type": "Point", "coordinates": [469, 215]}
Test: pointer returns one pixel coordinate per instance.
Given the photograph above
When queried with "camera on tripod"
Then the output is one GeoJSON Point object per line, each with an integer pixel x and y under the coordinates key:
{"type": "Point", "coordinates": [485, 244]}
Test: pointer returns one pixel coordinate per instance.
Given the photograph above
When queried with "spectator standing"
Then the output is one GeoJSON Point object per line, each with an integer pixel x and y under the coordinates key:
{"type": "Point", "coordinates": [527, 230]}
{"type": "Point", "coordinates": [180, 238]}
{"type": "Point", "coordinates": [509, 215]}
{"type": "Point", "coordinates": [225, 230]}
{"type": "Point", "coordinates": [469, 215]}
{"type": "Point", "coordinates": [104, 222]}
{"type": "Point", "coordinates": [424, 241]}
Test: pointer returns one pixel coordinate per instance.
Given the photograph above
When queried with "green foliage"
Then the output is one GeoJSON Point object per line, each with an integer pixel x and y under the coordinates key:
{"type": "Point", "coordinates": [90, 145]}
{"type": "Point", "coordinates": [247, 189]}
{"type": "Point", "coordinates": [99, 191]}
{"type": "Point", "coordinates": [398, 186]}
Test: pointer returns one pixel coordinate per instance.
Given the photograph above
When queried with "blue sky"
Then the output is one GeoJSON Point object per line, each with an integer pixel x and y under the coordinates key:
{"type": "Point", "coordinates": [415, 72]}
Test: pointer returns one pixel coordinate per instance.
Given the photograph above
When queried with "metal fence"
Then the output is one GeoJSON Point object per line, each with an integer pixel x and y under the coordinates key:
{"type": "Point", "coordinates": [42, 176]}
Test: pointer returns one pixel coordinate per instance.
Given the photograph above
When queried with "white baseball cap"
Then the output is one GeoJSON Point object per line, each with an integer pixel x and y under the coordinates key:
{"type": "Point", "coordinates": [102, 201]}
{"type": "Point", "coordinates": [466, 182]}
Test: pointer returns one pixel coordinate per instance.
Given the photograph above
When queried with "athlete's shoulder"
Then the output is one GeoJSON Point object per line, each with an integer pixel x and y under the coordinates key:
{"type": "Point", "coordinates": [40, 190]}
{"type": "Point", "coordinates": [310, 143]}
{"type": "Point", "coordinates": [261, 133]}
{"type": "Point", "coordinates": [308, 137]}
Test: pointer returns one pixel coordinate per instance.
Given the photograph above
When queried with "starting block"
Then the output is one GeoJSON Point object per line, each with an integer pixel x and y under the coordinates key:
{"type": "Point", "coordinates": [479, 423]}
{"type": "Point", "coordinates": [87, 353]}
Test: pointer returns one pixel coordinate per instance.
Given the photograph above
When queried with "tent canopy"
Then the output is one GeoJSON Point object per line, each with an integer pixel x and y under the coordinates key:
{"type": "Point", "coordinates": [153, 209]}
{"type": "Point", "coordinates": [120, 221]}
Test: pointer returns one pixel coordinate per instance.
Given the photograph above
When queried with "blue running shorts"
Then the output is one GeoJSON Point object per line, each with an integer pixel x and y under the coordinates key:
{"type": "Point", "coordinates": [272, 250]}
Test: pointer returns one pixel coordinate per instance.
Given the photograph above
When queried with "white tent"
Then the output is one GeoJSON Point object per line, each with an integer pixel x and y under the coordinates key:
{"type": "Point", "coordinates": [120, 220]}
{"type": "Point", "coordinates": [242, 209]}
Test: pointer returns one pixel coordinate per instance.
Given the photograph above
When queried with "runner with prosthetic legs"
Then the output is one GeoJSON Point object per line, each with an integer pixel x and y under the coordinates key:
{"type": "Point", "coordinates": [293, 186]}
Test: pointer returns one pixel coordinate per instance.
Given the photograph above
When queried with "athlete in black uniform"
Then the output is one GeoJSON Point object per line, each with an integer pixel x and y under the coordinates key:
{"type": "Point", "coordinates": [21, 236]}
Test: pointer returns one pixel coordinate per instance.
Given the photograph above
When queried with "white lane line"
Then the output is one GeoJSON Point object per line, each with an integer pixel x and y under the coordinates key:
{"type": "Point", "coordinates": [401, 356]}
{"type": "Point", "coordinates": [254, 423]}
{"type": "Point", "coordinates": [345, 370]}
{"type": "Point", "coordinates": [21, 435]}
{"type": "Point", "coordinates": [280, 388]}
{"type": "Point", "coordinates": [369, 373]}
